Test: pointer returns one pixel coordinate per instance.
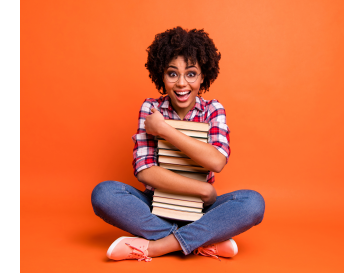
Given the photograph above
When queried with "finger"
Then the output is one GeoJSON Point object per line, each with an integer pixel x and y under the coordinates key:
{"type": "Point", "coordinates": [153, 110]}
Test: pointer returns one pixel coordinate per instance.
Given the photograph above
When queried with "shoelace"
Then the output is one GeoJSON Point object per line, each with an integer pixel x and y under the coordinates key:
{"type": "Point", "coordinates": [208, 251]}
{"type": "Point", "coordinates": [141, 256]}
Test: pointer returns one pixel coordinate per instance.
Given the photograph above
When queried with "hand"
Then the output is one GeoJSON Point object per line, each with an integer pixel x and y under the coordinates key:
{"type": "Point", "coordinates": [210, 197]}
{"type": "Point", "coordinates": [154, 122]}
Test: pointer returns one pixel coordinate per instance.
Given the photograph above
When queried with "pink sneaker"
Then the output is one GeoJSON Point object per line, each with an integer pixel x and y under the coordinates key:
{"type": "Point", "coordinates": [126, 248]}
{"type": "Point", "coordinates": [226, 249]}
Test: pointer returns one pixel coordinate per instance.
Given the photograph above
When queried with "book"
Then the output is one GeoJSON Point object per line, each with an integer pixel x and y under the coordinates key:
{"type": "Point", "coordinates": [176, 207]}
{"type": "Point", "coordinates": [164, 144]}
{"type": "Point", "coordinates": [164, 194]}
{"type": "Point", "coordinates": [177, 214]}
{"type": "Point", "coordinates": [196, 134]}
{"type": "Point", "coordinates": [198, 176]}
{"type": "Point", "coordinates": [177, 160]}
{"type": "Point", "coordinates": [177, 202]}
{"type": "Point", "coordinates": [188, 125]}
{"type": "Point", "coordinates": [171, 153]}
{"type": "Point", "coordinates": [183, 168]}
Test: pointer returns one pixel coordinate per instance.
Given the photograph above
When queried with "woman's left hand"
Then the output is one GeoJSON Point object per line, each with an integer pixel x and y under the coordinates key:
{"type": "Point", "coordinates": [154, 122]}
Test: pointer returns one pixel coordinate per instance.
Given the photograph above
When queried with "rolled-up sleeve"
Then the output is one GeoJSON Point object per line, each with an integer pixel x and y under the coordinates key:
{"type": "Point", "coordinates": [144, 152]}
{"type": "Point", "coordinates": [219, 132]}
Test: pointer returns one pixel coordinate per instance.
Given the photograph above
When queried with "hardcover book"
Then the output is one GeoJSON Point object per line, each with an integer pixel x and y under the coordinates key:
{"type": "Point", "coordinates": [176, 214]}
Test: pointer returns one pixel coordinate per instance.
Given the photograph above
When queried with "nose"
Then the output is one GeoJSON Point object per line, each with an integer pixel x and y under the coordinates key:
{"type": "Point", "coordinates": [181, 80]}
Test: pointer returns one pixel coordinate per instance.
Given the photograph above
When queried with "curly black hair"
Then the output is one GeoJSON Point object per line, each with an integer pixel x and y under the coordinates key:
{"type": "Point", "coordinates": [194, 45]}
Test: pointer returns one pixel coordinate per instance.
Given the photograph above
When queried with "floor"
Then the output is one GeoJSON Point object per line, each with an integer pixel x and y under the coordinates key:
{"type": "Point", "coordinates": [60, 233]}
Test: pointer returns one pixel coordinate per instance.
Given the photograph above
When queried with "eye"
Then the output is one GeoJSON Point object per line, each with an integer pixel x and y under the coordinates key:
{"type": "Point", "coordinates": [172, 74]}
{"type": "Point", "coordinates": [191, 74]}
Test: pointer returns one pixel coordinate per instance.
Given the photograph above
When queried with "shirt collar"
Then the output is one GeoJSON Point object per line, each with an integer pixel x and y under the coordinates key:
{"type": "Point", "coordinates": [166, 103]}
{"type": "Point", "coordinates": [199, 105]}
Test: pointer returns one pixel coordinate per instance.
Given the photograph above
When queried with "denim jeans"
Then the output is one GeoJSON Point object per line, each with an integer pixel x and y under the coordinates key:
{"type": "Point", "coordinates": [129, 209]}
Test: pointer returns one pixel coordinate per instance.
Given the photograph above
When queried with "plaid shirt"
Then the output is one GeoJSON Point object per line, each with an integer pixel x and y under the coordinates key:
{"type": "Point", "coordinates": [211, 112]}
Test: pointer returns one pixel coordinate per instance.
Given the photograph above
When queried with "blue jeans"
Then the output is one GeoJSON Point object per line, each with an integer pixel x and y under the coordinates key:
{"type": "Point", "coordinates": [129, 209]}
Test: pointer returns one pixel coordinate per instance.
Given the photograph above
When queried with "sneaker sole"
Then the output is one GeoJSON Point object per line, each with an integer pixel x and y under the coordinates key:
{"type": "Point", "coordinates": [113, 245]}
{"type": "Point", "coordinates": [235, 246]}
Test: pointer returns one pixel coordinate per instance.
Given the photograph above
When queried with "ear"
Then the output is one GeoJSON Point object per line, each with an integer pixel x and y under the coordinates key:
{"type": "Point", "coordinates": [202, 78]}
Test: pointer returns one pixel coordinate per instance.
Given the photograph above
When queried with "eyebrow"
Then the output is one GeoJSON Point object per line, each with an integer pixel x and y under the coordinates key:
{"type": "Point", "coordinates": [191, 66]}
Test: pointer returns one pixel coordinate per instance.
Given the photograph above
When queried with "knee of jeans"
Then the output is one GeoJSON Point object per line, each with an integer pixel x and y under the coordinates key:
{"type": "Point", "coordinates": [256, 203]}
{"type": "Point", "coordinates": [101, 193]}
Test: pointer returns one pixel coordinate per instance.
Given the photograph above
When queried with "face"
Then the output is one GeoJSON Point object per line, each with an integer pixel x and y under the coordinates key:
{"type": "Point", "coordinates": [182, 93]}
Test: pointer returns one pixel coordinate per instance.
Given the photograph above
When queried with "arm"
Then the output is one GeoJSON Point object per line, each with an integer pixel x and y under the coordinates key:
{"type": "Point", "coordinates": [166, 180]}
{"type": "Point", "coordinates": [202, 153]}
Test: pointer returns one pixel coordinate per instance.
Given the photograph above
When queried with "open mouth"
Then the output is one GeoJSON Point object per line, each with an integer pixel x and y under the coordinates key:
{"type": "Point", "coordinates": [182, 96]}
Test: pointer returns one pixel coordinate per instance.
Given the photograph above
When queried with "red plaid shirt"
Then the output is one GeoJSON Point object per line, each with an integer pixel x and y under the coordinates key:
{"type": "Point", "coordinates": [211, 112]}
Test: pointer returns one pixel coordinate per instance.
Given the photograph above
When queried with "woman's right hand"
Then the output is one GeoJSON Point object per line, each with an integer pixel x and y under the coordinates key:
{"type": "Point", "coordinates": [210, 195]}
{"type": "Point", "coordinates": [154, 122]}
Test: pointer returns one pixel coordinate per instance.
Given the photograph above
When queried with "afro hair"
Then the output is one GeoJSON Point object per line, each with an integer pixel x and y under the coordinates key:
{"type": "Point", "coordinates": [194, 45]}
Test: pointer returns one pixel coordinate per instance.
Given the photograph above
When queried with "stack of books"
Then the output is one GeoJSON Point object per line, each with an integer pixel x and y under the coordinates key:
{"type": "Point", "coordinates": [176, 206]}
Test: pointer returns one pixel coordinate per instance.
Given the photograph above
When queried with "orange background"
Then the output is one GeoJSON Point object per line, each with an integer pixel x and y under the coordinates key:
{"type": "Point", "coordinates": [83, 81]}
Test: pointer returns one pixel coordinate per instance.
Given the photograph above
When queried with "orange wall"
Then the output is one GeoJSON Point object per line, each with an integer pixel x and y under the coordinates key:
{"type": "Point", "coordinates": [83, 80]}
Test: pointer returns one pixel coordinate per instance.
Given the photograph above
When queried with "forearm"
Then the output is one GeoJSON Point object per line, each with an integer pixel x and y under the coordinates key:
{"type": "Point", "coordinates": [202, 153]}
{"type": "Point", "coordinates": [169, 181]}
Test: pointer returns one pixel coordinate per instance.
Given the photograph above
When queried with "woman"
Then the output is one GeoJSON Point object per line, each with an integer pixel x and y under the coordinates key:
{"type": "Point", "coordinates": [182, 64]}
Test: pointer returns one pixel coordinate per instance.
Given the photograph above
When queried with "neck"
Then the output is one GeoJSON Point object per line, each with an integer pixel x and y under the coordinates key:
{"type": "Point", "coordinates": [182, 112]}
